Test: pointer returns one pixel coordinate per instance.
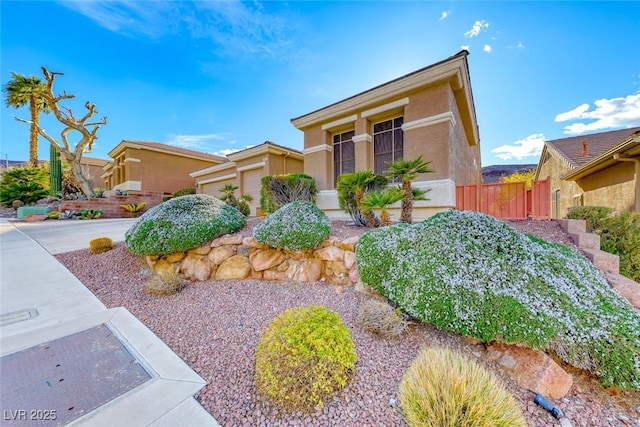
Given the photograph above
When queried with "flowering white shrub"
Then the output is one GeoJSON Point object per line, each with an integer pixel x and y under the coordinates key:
{"type": "Point", "coordinates": [295, 226]}
{"type": "Point", "coordinates": [182, 223]}
{"type": "Point", "coordinates": [472, 274]}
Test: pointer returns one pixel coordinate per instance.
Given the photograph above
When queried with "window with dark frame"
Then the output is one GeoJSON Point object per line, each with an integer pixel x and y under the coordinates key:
{"type": "Point", "coordinates": [344, 154]}
{"type": "Point", "coordinates": [388, 143]}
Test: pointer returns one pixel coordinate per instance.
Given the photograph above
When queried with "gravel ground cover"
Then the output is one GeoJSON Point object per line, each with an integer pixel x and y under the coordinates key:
{"type": "Point", "coordinates": [214, 326]}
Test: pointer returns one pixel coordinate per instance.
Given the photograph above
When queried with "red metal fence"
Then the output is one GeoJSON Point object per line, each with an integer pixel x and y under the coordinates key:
{"type": "Point", "coordinates": [507, 200]}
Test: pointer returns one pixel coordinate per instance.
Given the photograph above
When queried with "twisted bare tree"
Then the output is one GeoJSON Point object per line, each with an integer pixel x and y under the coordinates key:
{"type": "Point", "coordinates": [84, 125]}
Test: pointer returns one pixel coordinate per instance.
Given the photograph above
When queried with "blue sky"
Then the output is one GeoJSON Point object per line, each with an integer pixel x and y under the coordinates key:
{"type": "Point", "coordinates": [216, 76]}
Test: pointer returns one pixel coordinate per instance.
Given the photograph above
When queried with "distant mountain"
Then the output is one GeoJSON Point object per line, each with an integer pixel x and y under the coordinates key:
{"type": "Point", "coordinates": [493, 173]}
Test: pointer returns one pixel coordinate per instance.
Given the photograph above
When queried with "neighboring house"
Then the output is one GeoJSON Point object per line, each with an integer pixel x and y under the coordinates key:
{"type": "Point", "coordinates": [429, 112]}
{"type": "Point", "coordinates": [245, 169]}
{"type": "Point", "coordinates": [151, 166]}
{"type": "Point", "coordinates": [600, 169]}
{"type": "Point", "coordinates": [93, 169]}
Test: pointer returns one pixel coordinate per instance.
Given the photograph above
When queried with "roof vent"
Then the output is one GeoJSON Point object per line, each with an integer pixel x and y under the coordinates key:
{"type": "Point", "coordinates": [585, 148]}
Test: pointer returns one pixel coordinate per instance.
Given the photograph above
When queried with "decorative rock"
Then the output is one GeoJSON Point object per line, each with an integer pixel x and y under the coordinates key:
{"type": "Point", "coordinates": [175, 257]}
{"type": "Point", "coordinates": [625, 287]}
{"type": "Point", "coordinates": [338, 267]}
{"type": "Point", "coordinates": [532, 369]}
{"type": "Point", "coordinates": [564, 422]}
{"type": "Point", "coordinates": [256, 275]}
{"type": "Point", "coordinates": [472, 340]}
{"type": "Point", "coordinates": [298, 255]}
{"type": "Point", "coordinates": [219, 254]}
{"type": "Point", "coordinates": [200, 250]}
{"type": "Point", "coordinates": [265, 259]}
{"type": "Point", "coordinates": [35, 218]}
{"type": "Point", "coordinates": [349, 244]}
{"type": "Point", "coordinates": [306, 271]}
{"type": "Point", "coordinates": [329, 253]}
{"type": "Point", "coordinates": [231, 239]}
{"type": "Point", "coordinates": [251, 242]}
{"type": "Point", "coordinates": [349, 259]}
{"type": "Point", "coordinates": [274, 275]}
{"type": "Point", "coordinates": [235, 267]}
{"type": "Point", "coordinates": [353, 275]}
{"type": "Point", "coordinates": [196, 267]}
{"type": "Point", "coordinates": [162, 267]}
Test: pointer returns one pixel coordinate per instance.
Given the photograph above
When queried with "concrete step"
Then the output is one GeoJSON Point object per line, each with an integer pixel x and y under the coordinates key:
{"type": "Point", "coordinates": [573, 225]}
{"type": "Point", "coordinates": [625, 287]}
{"type": "Point", "coordinates": [586, 240]}
{"type": "Point", "coordinates": [603, 260]}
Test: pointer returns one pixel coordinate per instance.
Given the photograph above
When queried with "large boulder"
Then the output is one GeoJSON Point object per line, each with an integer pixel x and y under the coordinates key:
{"type": "Point", "coordinates": [296, 226]}
{"type": "Point", "coordinates": [472, 274]}
{"type": "Point", "coordinates": [182, 223]}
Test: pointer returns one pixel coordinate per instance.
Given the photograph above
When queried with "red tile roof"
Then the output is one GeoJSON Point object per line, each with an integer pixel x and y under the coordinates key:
{"type": "Point", "coordinates": [573, 149]}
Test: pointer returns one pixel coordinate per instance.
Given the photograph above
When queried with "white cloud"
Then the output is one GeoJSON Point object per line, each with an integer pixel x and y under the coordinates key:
{"type": "Point", "coordinates": [487, 48]}
{"type": "Point", "coordinates": [520, 45]}
{"type": "Point", "coordinates": [194, 142]}
{"type": "Point", "coordinates": [444, 15]}
{"type": "Point", "coordinates": [531, 146]}
{"type": "Point", "coordinates": [477, 27]}
{"type": "Point", "coordinates": [622, 112]}
{"type": "Point", "coordinates": [226, 151]}
{"type": "Point", "coordinates": [466, 47]}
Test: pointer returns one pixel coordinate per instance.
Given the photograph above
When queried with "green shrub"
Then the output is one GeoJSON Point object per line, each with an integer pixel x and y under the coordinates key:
{"type": "Point", "coordinates": [304, 357]}
{"type": "Point", "coordinates": [596, 216]}
{"type": "Point", "coordinates": [182, 223]}
{"type": "Point", "coordinates": [185, 191]}
{"type": "Point", "coordinates": [298, 225]}
{"type": "Point", "coordinates": [90, 213]}
{"type": "Point", "coordinates": [442, 388]}
{"type": "Point", "coordinates": [100, 245]}
{"type": "Point", "coordinates": [619, 234]}
{"type": "Point", "coordinates": [26, 184]}
{"type": "Point", "coordinates": [279, 190]}
{"type": "Point", "coordinates": [472, 274]}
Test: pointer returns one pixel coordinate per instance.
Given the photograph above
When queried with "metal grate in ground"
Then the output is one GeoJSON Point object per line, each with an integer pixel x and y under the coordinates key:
{"type": "Point", "coordinates": [55, 383]}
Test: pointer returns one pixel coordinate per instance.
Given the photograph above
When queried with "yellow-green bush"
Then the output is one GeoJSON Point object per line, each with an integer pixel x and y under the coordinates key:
{"type": "Point", "coordinates": [100, 245]}
{"type": "Point", "coordinates": [303, 357]}
{"type": "Point", "coordinates": [443, 388]}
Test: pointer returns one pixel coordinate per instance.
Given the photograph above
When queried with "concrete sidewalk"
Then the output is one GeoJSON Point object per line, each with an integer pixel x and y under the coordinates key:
{"type": "Point", "coordinates": [42, 302]}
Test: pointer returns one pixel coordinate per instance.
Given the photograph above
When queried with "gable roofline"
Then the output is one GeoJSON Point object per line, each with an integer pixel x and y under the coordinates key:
{"type": "Point", "coordinates": [606, 158]}
{"type": "Point", "coordinates": [454, 69]}
{"type": "Point", "coordinates": [264, 148]}
{"type": "Point", "coordinates": [166, 149]}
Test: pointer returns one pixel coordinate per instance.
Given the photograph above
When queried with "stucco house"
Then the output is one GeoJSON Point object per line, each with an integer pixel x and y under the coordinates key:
{"type": "Point", "coordinates": [429, 112]}
{"type": "Point", "coordinates": [245, 169]}
{"type": "Point", "coordinates": [94, 168]}
{"type": "Point", "coordinates": [150, 166]}
{"type": "Point", "coordinates": [600, 169]}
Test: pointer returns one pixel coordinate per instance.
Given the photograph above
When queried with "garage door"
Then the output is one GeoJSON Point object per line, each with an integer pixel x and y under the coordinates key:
{"type": "Point", "coordinates": [251, 185]}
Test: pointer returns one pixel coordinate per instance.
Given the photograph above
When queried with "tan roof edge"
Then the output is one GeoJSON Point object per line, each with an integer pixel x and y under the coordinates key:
{"type": "Point", "coordinates": [134, 144]}
{"type": "Point", "coordinates": [265, 147]}
{"type": "Point", "coordinates": [623, 145]}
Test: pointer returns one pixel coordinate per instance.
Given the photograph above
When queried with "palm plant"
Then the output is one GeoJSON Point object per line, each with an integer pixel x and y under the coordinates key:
{"type": "Point", "coordinates": [228, 195]}
{"type": "Point", "coordinates": [382, 199]}
{"type": "Point", "coordinates": [407, 170]}
{"type": "Point", "coordinates": [353, 186]}
{"type": "Point", "coordinates": [23, 90]}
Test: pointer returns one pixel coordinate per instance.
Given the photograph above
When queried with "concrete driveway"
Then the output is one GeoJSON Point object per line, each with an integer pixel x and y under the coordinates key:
{"type": "Point", "coordinates": [61, 236]}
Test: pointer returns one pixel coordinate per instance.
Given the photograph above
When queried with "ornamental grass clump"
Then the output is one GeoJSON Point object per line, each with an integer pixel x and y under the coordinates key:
{"type": "Point", "coordinates": [182, 223]}
{"type": "Point", "coordinates": [443, 388]}
{"type": "Point", "coordinates": [298, 225]}
{"type": "Point", "coordinates": [165, 284]}
{"type": "Point", "coordinates": [474, 275]}
{"type": "Point", "coordinates": [304, 357]}
{"type": "Point", "coordinates": [100, 245]}
{"type": "Point", "coordinates": [381, 319]}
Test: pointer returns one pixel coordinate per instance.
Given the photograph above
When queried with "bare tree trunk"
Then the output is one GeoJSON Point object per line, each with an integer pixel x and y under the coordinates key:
{"type": "Point", "coordinates": [407, 202]}
{"type": "Point", "coordinates": [33, 132]}
{"type": "Point", "coordinates": [85, 184]}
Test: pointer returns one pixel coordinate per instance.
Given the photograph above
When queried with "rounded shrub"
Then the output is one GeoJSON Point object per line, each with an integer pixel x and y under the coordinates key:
{"type": "Point", "coordinates": [443, 388]}
{"type": "Point", "coordinates": [474, 275]}
{"type": "Point", "coordinates": [99, 244]}
{"type": "Point", "coordinates": [166, 284]}
{"type": "Point", "coordinates": [182, 223]}
{"type": "Point", "coordinates": [296, 226]}
{"type": "Point", "coordinates": [304, 357]}
{"type": "Point", "coordinates": [380, 318]}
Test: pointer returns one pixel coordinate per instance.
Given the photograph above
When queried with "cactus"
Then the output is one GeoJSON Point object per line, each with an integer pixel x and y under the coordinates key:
{"type": "Point", "coordinates": [100, 245]}
{"type": "Point", "coordinates": [55, 170]}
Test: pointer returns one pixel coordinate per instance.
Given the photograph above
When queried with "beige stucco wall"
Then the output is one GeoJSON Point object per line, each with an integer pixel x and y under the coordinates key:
{"type": "Point", "coordinates": [441, 141]}
{"type": "Point", "coordinates": [612, 187]}
{"type": "Point", "coordinates": [555, 168]}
